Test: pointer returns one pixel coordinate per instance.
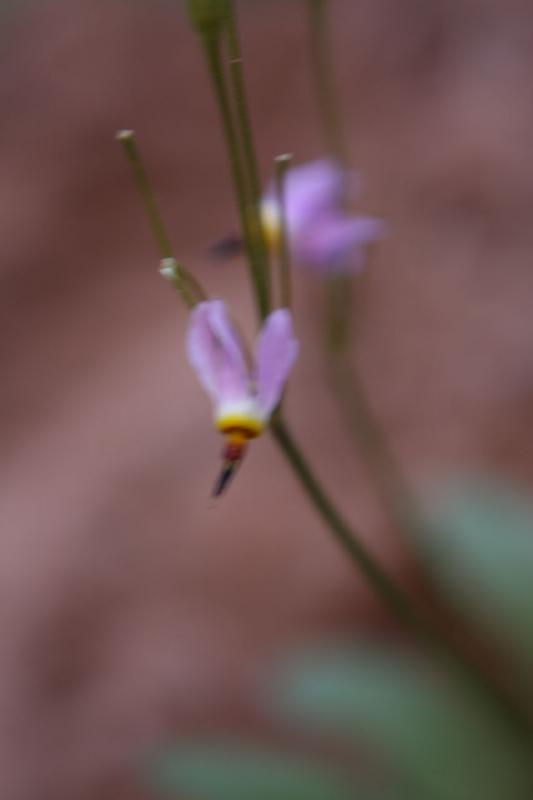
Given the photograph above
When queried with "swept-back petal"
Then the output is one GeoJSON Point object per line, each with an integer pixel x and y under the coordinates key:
{"type": "Point", "coordinates": [276, 351]}
{"type": "Point", "coordinates": [215, 352]}
{"type": "Point", "coordinates": [335, 242]}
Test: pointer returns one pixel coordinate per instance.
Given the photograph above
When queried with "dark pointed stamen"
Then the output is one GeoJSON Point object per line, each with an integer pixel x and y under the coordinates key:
{"type": "Point", "coordinates": [226, 474]}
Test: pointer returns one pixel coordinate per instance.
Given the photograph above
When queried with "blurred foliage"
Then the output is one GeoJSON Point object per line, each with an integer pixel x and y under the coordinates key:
{"type": "Point", "coordinates": [419, 730]}
{"type": "Point", "coordinates": [229, 772]}
{"type": "Point", "coordinates": [481, 554]}
{"type": "Point", "coordinates": [436, 738]}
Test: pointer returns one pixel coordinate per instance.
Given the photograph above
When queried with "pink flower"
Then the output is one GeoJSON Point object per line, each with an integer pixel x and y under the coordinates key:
{"type": "Point", "coordinates": [322, 235]}
{"type": "Point", "coordinates": [243, 398]}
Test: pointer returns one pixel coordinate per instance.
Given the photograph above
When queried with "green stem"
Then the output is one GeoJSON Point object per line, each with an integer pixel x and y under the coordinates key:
{"type": "Point", "coordinates": [185, 284]}
{"type": "Point", "coordinates": [241, 105]}
{"type": "Point", "coordinates": [129, 145]}
{"type": "Point", "coordinates": [322, 69]}
{"type": "Point", "coordinates": [370, 439]}
{"type": "Point", "coordinates": [211, 47]}
{"type": "Point", "coordinates": [365, 428]}
{"type": "Point", "coordinates": [384, 586]}
{"type": "Point", "coordinates": [340, 287]}
{"type": "Point", "coordinates": [339, 297]}
{"type": "Point", "coordinates": [282, 164]}
{"type": "Point", "coordinates": [242, 117]}
{"type": "Point", "coordinates": [396, 599]}
{"type": "Point", "coordinates": [188, 287]}
{"type": "Point", "coordinates": [384, 469]}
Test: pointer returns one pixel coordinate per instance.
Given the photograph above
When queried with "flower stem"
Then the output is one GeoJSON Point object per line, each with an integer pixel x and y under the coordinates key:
{"type": "Point", "coordinates": [188, 287]}
{"type": "Point", "coordinates": [241, 106]}
{"type": "Point", "coordinates": [340, 288]}
{"type": "Point", "coordinates": [384, 586]}
{"type": "Point", "coordinates": [370, 439]}
{"type": "Point", "coordinates": [247, 212]}
{"type": "Point", "coordinates": [282, 164]}
{"type": "Point", "coordinates": [185, 284]}
{"type": "Point", "coordinates": [242, 117]}
{"type": "Point", "coordinates": [129, 144]}
{"type": "Point", "coordinates": [339, 298]}
{"type": "Point", "coordinates": [322, 70]}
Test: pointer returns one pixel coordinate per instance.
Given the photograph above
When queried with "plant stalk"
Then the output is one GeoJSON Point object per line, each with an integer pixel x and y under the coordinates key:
{"type": "Point", "coordinates": [258, 276]}
{"type": "Point", "coordinates": [185, 283]}
{"type": "Point", "coordinates": [325, 86]}
{"type": "Point", "coordinates": [281, 165]}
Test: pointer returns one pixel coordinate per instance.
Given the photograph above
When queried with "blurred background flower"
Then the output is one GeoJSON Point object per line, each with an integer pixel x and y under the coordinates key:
{"type": "Point", "coordinates": [322, 235]}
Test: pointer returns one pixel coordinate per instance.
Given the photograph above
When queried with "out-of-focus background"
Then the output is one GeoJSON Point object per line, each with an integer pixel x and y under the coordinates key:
{"type": "Point", "coordinates": [130, 610]}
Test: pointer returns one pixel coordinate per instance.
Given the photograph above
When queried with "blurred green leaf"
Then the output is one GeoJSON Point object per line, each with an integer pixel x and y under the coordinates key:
{"type": "Point", "coordinates": [228, 772]}
{"type": "Point", "coordinates": [480, 547]}
{"type": "Point", "coordinates": [432, 733]}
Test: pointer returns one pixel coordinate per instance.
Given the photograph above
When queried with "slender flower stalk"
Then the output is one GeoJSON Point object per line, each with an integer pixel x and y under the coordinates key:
{"type": "Point", "coordinates": [244, 126]}
{"type": "Point", "coordinates": [236, 78]}
{"type": "Point", "coordinates": [340, 294]}
{"type": "Point", "coordinates": [383, 467]}
{"type": "Point", "coordinates": [127, 139]}
{"type": "Point", "coordinates": [207, 16]}
{"type": "Point", "coordinates": [281, 165]}
{"type": "Point", "coordinates": [394, 597]}
{"type": "Point", "coordinates": [325, 84]}
{"type": "Point", "coordinates": [188, 287]}
{"type": "Point", "coordinates": [211, 44]}
{"type": "Point", "coordinates": [183, 281]}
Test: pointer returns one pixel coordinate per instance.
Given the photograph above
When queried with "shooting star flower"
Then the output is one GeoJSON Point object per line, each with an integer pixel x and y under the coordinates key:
{"type": "Point", "coordinates": [243, 398]}
{"type": "Point", "coordinates": [322, 234]}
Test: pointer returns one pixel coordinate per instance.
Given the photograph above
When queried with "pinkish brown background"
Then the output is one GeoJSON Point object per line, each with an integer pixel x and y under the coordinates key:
{"type": "Point", "coordinates": [129, 610]}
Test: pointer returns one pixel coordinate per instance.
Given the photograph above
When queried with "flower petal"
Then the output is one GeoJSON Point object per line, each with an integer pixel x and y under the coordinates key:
{"type": "Point", "coordinates": [276, 352]}
{"type": "Point", "coordinates": [215, 352]}
{"type": "Point", "coordinates": [310, 189]}
{"type": "Point", "coordinates": [335, 242]}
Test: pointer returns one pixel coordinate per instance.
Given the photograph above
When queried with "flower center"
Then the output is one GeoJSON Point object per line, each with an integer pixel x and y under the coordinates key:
{"type": "Point", "coordinates": [238, 428]}
{"type": "Point", "coordinates": [271, 225]}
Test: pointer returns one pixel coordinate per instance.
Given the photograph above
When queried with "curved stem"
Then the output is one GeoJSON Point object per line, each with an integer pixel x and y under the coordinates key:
{"type": "Point", "coordinates": [383, 585]}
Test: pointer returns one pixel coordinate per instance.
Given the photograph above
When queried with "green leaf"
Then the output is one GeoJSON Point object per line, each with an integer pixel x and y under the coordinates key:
{"type": "Point", "coordinates": [430, 732]}
{"type": "Point", "coordinates": [479, 545]}
{"type": "Point", "coordinates": [218, 771]}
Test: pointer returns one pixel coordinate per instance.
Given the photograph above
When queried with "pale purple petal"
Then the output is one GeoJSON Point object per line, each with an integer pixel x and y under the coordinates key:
{"type": "Point", "coordinates": [335, 242]}
{"type": "Point", "coordinates": [276, 352]}
{"type": "Point", "coordinates": [310, 189]}
{"type": "Point", "coordinates": [215, 352]}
